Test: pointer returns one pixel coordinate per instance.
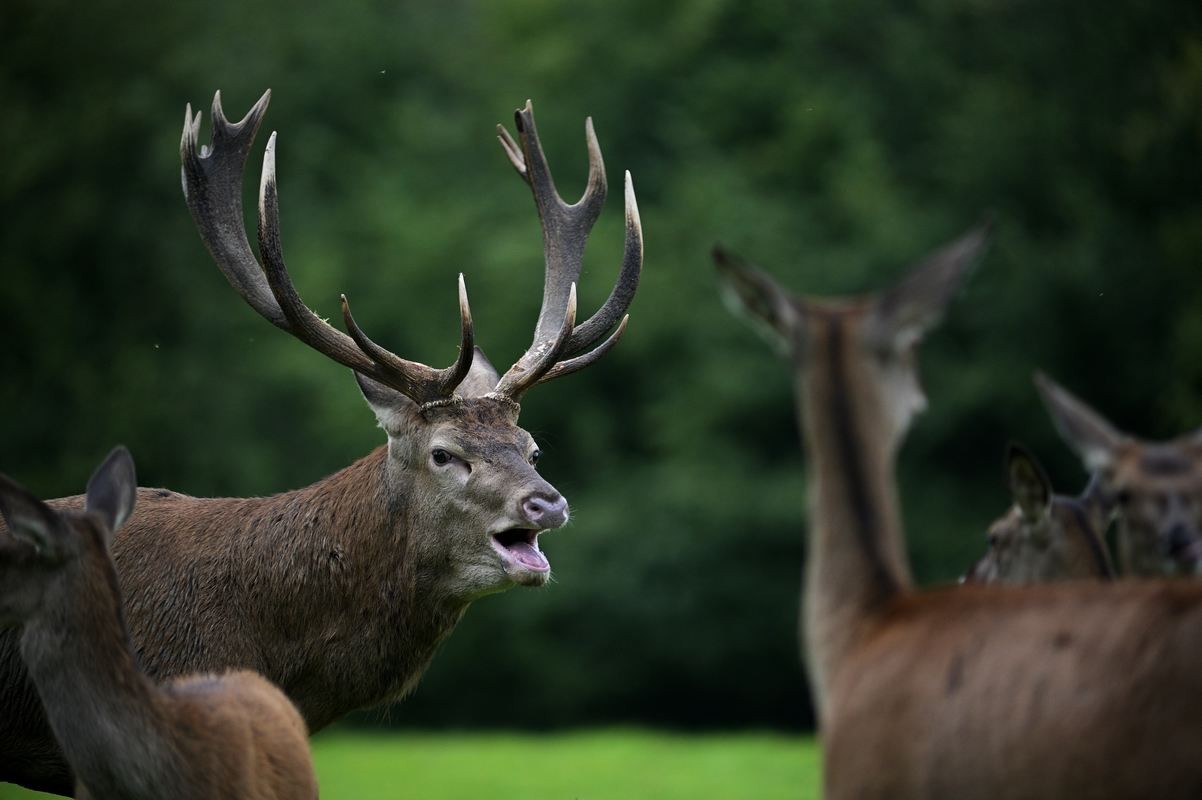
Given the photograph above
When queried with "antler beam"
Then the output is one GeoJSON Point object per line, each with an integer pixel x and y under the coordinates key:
{"type": "Point", "coordinates": [212, 181]}
{"type": "Point", "coordinates": [565, 232]}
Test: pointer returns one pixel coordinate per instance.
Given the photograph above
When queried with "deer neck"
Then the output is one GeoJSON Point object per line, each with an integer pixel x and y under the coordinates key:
{"type": "Point", "coordinates": [856, 555]}
{"type": "Point", "coordinates": [104, 712]}
{"type": "Point", "coordinates": [357, 611]}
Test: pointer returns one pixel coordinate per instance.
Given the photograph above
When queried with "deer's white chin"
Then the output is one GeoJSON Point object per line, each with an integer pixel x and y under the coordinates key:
{"type": "Point", "coordinates": [524, 563]}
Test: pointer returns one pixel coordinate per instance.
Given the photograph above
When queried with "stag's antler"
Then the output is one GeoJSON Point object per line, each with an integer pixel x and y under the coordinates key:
{"type": "Point", "coordinates": [565, 231]}
{"type": "Point", "coordinates": [212, 179]}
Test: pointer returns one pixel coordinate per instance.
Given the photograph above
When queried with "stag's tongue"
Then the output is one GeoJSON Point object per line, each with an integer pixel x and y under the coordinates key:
{"type": "Point", "coordinates": [529, 556]}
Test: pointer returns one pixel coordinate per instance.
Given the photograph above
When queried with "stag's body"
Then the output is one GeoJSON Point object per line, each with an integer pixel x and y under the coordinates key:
{"type": "Point", "coordinates": [269, 583]}
{"type": "Point", "coordinates": [199, 737]}
{"type": "Point", "coordinates": [1074, 690]}
{"type": "Point", "coordinates": [340, 593]}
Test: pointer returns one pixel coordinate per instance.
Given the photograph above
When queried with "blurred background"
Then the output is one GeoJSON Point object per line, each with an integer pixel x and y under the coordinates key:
{"type": "Point", "coordinates": [832, 143]}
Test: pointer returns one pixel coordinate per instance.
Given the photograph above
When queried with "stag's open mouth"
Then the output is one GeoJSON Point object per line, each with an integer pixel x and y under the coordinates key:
{"type": "Point", "coordinates": [519, 547]}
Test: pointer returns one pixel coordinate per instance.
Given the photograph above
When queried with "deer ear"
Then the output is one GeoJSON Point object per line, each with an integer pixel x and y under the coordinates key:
{"type": "Point", "coordinates": [481, 379]}
{"type": "Point", "coordinates": [394, 411]}
{"type": "Point", "coordinates": [904, 313]}
{"type": "Point", "coordinates": [113, 490]}
{"type": "Point", "coordinates": [1085, 430]}
{"type": "Point", "coordinates": [30, 520]}
{"type": "Point", "coordinates": [1029, 484]}
{"type": "Point", "coordinates": [753, 295]}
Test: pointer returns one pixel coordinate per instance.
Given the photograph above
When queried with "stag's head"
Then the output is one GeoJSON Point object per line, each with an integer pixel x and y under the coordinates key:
{"type": "Point", "coordinates": [869, 340]}
{"type": "Point", "coordinates": [42, 549]}
{"type": "Point", "coordinates": [457, 462]}
{"type": "Point", "coordinates": [1043, 536]}
{"type": "Point", "coordinates": [1156, 487]}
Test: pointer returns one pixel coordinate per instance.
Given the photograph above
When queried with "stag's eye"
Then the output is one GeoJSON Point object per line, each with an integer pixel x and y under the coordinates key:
{"type": "Point", "coordinates": [535, 456]}
{"type": "Point", "coordinates": [1123, 497]}
{"type": "Point", "coordinates": [441, 457]}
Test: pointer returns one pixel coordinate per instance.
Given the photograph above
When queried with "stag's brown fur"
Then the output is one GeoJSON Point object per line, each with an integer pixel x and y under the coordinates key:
{"type": "Point", "coordinates": [1075, 690]}
{"type": "Point", "coordinates": [339, 593]}
{"type": "Point", "coordinates": [196, 737]}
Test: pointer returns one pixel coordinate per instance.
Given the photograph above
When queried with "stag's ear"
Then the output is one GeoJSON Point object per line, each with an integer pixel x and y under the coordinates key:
{"type": "Point", "coordinates": [31, 521]}
{"type": "Point", "coordinates": [113, 490]}
{"type": "Point", "coordinates": [1029, 484]}
{"type": "Point", "coordinates": [481, 379]}
{"type": "Point", "coordinates": [394, 411]}
{"type": "Point", "coordinates": [904, 313]}
{"type": "Point", "coordinates": [753, 295]}
{"type": "Point", "coordinates": [1086, 431]}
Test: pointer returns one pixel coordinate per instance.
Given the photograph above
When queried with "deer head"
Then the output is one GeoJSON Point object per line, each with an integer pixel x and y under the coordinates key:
{"type": "Point", "coordinates": [1156, 487]}
{"type": "Point", "coordinates": [1043, 536]}
{"type": "Point", "coordinates": [43, 546]}
{"type": "Point", "coordinates": [456, 456]}
{"type": "Point", "coordinates": [876, 333]}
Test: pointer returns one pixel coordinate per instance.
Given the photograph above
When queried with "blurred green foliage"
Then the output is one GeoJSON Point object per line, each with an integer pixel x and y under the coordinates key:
{"type": "Point", "coordinates": [834, 143]}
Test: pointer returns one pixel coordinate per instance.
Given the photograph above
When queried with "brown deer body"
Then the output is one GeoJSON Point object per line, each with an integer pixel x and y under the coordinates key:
{"type": "Point", "coordinates": [198, 737]}
{"type": "Point", "coordinates": [341, 592]}
{"type": "Point", "coordinates": [1071, 690]}
{"type": "Point", "coordinates": [1044, 537]}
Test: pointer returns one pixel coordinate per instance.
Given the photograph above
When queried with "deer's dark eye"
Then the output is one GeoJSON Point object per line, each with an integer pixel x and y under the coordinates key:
{"type": "Point", "coordinates": [441, 457]}
{"type": "Point", "coordinates": [535, 456]}
{"type": "Point", "coordinates": [1123, 497]}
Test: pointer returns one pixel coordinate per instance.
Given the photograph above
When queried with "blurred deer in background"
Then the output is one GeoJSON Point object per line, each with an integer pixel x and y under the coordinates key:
{"type": "Point", "coordinates": [1080, 689]}
{"type": "Point", "coordinates": [1044, 536]}
{"type": "Point", "coordinates": [1156, 487]}
{"type": "Point", "coordinates": [196, 737]}
{"type": "Point", "coordinates": [341, 592]}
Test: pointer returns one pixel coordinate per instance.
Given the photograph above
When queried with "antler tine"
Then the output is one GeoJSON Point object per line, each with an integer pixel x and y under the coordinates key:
{"type": "Point", "coordinates": [513, 151]}
{"type": "Point", "coordinates": [445, 380]}
{"type": "Point", "coordinates": [453, 375]}
{"type": "Point", "coordinates": [533, 366]}
{"type": "Point", "coordinates": [212, 181]}
{"type": "Point", "coordinates": [416, 381]}
{"type": "Point", "coordinates": [588, 332]}
{"type": "Point", "coordinates": [568, 366]}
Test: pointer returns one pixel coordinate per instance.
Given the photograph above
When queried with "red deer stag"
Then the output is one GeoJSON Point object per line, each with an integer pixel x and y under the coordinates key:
{"type": "Point", "coordinates": [341, 592]}
{"type": "Point", "coordinates": [1044, 536]}
{"type": "Point", "coordinates": [1076, 689]}
{"type": "Point", "coordinates": [200, 737]}
{"type": "Point", "coordinates": [1156, 486]}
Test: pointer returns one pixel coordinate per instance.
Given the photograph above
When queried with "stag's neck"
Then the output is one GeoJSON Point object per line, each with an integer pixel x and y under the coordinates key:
{"type": "Point", "coordinates": [105, 713]}
{"type": "Point", "coordinates": [857, 558]}
{"type": "Point", "coordinates": [339, 574]}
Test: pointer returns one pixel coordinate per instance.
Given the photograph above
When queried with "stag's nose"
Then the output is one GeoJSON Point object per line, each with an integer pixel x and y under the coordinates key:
{"type": "Point", "coordinates": [546, 510]}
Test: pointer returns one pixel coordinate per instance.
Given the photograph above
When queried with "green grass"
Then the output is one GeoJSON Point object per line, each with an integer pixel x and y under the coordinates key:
{"type": "Point", "coordinates": [586, 765]}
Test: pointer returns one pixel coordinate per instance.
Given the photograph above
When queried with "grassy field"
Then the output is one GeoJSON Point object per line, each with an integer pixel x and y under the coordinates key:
{"type": "Point", "coordinates": [586, 765]}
